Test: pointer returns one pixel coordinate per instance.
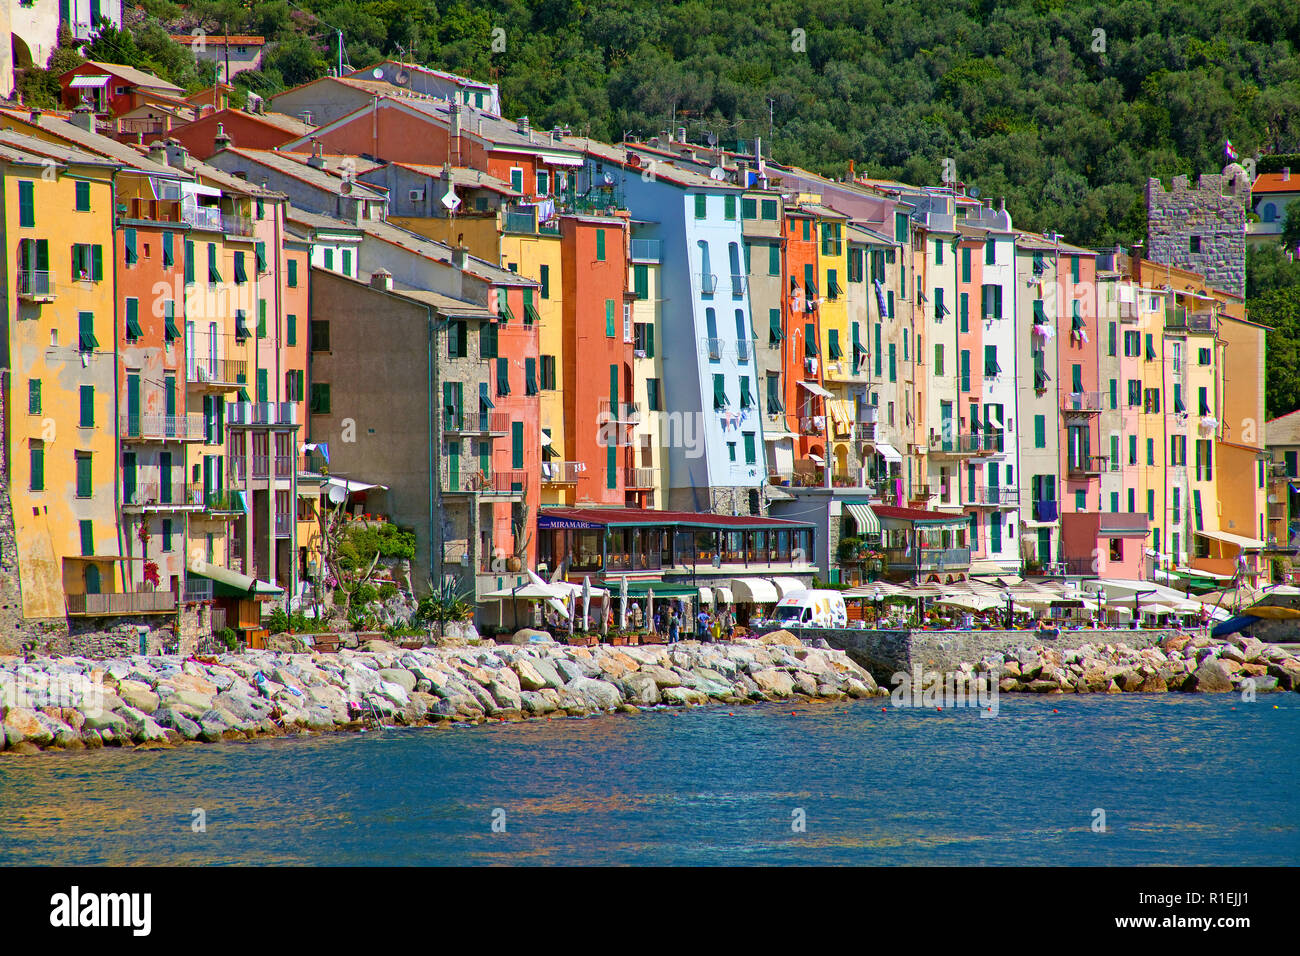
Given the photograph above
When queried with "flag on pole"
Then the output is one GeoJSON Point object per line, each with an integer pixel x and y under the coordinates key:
{"type": "Point", "coordinates": [1229, 149]}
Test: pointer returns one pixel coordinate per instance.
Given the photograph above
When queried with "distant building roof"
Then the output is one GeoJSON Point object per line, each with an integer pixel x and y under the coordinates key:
{"type": "Point", "coordinates": [1283, 430]}
{"type": "Point", "coordinates": [440, 252]}
{"type": "Point", "coordinates": [323, 179]}
{"type": "Point", "coordinates": [1275, 183]}
{"type": "Point", "coordinates": [128, 73]}
{"type": "Point", "coordinates": [446, 304]}
{"type": "Point", "coordinates": [626, 516]}
{"type": "Point", "coordinates": [216, 39]}
{"type": "Point", "coordinates": [58, 126]}
{"type": "Point", "coordinates": [916, 514]}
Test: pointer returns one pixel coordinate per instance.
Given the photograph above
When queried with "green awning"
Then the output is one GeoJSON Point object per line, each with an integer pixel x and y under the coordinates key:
{"type": "Point", "coordinates": [640, 589]}
{"type": "Point", "coordinates": [866, 520]}
{"type": "Point", "coordinates": [228, 583]}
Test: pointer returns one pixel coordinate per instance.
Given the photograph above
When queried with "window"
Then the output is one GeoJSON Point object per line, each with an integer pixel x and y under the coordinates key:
{"type": "Point", "coordinates": [938, 252]}
{"type": "Point", "coordinates": [130, 253]}
{"type": "Point", "coordinates": [652, 394]}
{"type": "Point", "coordinates": [503, 376]}
{"type": "Point", "coordinates": [320, 335]}
{"type": "Point", "coordinates": [88, 262]}
{"type": "Point", "coordinates": [457, 339]}
{"type": "Point", "coordinates": [36, 459]}
{"type": "Point", "coordinates": [991, 367]}
{"type": "Point", "coordinates": [1132, 450]}
{"type": "Point", "coordinates": [1203, 357]}
{"type": "Point", "coordinates": [293, 273]}
{"type": "Point", "coordinates": [26, 203]}
{"type": "Point", "coordinates": [774, 403]}
{"type": "Point", "coordinates": [1111, 343]}
{"type": "Point", "coordinates": [517, 179]}
{"type": "Point", "coordinates": [938, 360]}
{"type": "Point", "coordinates": [769, 210]}
{"type": "Point", "coordinates": [291, 329]}
{"type": "Point", "coordinates": [1114, 394]}
{"type": "Point", "coordinates": [609, 318]}
{"type": "Point", "coordinates": [751, 455]}
{"type": "Point", "coordinates": [329, 258]}
{"type": "Point", "coordinates": [746, 400]}
{"type": "Point", "coordinates": [729, 207]}
{"type": "Point", "coordinates": [1194, 244]}
{"type": "Point", "coordinates": [261, 318]}
{"type": "Point", "coordinates": [1040, 431]}
{"type": "Point", "coordinates": [965, 264]}
{"type": "Point", "coordinates": [87, 528]}
{"type": "Point", "coordinates": [900, 227]}
{"type": "Point", "coordinates": [530, 376]}
{"type": "Point", "coordinates": [1074, 269]}
{"type": "Point", "coordinates": [641, 281]}
{"type": "Point", "coordinates": [1114, 453]}
{"type": "Point", "coordinates": [347, 262]}
{"type": "Point", "coordinates": [719, 391]}
{"type": "Point", "coordinates": [87, 417]}
{"type": "Point", "coordinates": [1134, 392]}
{"type": "Point", "coordinates": [214, 271]}
{"type": "Point", "coordinates": [545, 279]}
{"type": "Point", "coordinates": [1203, 400]}
{"type": "Point", "coordinates": [834, 352]}
{"type": "Point", "coordinates": [543, 182]}
{"type": "Point", "coordinates": [1151, 451]}
{"type": "Point", "coordinates": [85, 486]}
{"type": "Point", "coordinates": [189, 262]}
{"type": "Point", "coordinates": [749, 208]}
{"type": "Point", "coordinates": [86, 341]}
{"type": "Point", "coordinates": [701, 206]}
{"type": "Point", "coordinates": [320, 398]}
{"type": "Point", "coordinates": [1132, 344]}
{"type": "Point", "coordinates": [548, 373]}
{"type": "Point", "coordinates": [487, 340]}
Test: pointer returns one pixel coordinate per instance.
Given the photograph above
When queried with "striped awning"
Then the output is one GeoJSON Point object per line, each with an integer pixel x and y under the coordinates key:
{"type": "Point", "coordinates": [864, 518]}
{"type": "Point", "coordinates": [89, 82]}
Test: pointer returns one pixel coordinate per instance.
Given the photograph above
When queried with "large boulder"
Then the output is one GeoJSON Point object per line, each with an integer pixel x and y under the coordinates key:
{"type": "Point", "coordinates": [1211, 677]}
{"type": "Point", "coordinates": [598, 694]}
{"type": "Point", "coordinates": [21, 724]}
{"type": "Point", "coordinates": [139, 695]}
{"type": "Point", "coordinates": [506, 697]}
{"type": "Point", "coordinates": [400, 676]}
{"type": "Point", "coordinates": [641, 689]}
{"type": "Point", "coordinates": [773, 682]}
{"type": "Point", "coordinates": [783, 638]}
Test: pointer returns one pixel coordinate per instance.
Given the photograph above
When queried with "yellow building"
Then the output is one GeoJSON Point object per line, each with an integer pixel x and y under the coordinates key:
{"type": "Point", "coordinates": [61, 371]}
{"type": "Point", "coordinates": [649, 436]}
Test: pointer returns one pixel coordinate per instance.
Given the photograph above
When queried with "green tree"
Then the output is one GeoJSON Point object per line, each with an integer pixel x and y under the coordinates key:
{"type": "Point", "coordinates": [1291, 226]}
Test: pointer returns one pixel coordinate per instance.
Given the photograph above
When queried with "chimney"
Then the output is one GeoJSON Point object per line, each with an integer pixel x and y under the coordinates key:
{"type": "Point", "coordinates": [84, 117]}
{"type": "Point", "coordinates": [178, 157]}
{"type": "Point", "coordinates": [158, 152]}
{"type": "Point", "coordinates": [317, 158]}
{"type": "Point", "coordinates": [35, 116]}
{"type": "Point", "coordinates": [523, 125]}
{"type": "Point", "coordinates": [460, 257]}
{"type": "Point", "coordinates": [454, 114]}
{"type": "Point", "coordinates": [1286, 174]}
{"type": "Point", "coordinates": [1002, 204]}
{"type": "Point", "coordinates": [382, 279]}
{"type": "Point", "coordinates": [221, 140]}
{"type": "Point", "coordinates": [758, 148]}
{"type": "Point", "coordinates": [681, 134]}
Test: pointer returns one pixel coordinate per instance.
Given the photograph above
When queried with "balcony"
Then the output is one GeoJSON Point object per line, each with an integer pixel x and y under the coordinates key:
{"type": "Point", "coordinates": [224, 374]}
{"type": "Point", "coordinates": [639, 478]}
{"type": "Point", "coordinates": [159, 496]}
{"type": "Point", "coordinates": [647, 250]}
{"type": "Point", "coordinates": [284, 525]}
{"type": "Point", "coordinates": [223, 502]}
{"type": "Point", "coordinates": [713, 347]}
{"type": "Point", "coordinates": [927, 559]}
{"type": "Point", "coordinates": [285, 466]}
{"type": "Point", "coordinates": [1083, 403]}
{"type": "Point", "coordinates": [963, 446]}
{"type": "Point", "coordinates": [235, 225]}
{"type": "Point", "coordinates": [187, 427]}
{"type": "Point", "coordinates": [997, 497]}
{"type": "Point", "coordinates": [1087, 466]}
{"type": "Point", "coordinates": [627, 413]}
{"type": "Point", "coordinates": [708, 282]}
{"type": "Point", "coordinates": [261, 413]}
{"type": "Point", "coordinates": [561, 472]}
{"type": "Point", "coordinates": [1124, 523]}
{"type": "Point", "coordinates": [923, 492]}
{"type": "Point", "coordinates": [36, 286]}
{"type": "Point", "coordinates": [130, 602]}
{"type": "Point", "coordinates": [865, 431]}
{"type": "Point", "coordinates": [478, 423]}
{"type": "Point", "coordinates": [1180, 320]}
{"type": "Point", "coordinates": [197, 589]}
{"type": "Point", "coordinates": [207, 218]}
{"type": "Point", "coordinates": [488, 484]}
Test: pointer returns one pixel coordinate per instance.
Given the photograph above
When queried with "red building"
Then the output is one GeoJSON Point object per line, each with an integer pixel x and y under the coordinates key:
{"type": "Point", "coordinates": [801, 358]}
{"type": "Point", "coordinates": [514, 390]}
{"type": "Point", "coordinates": [113, 89]}
{"type": "Point", "coordinates": [241, 128]}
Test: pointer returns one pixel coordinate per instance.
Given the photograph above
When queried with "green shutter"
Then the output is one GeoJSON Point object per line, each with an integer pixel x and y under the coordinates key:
{"type": "Point", "coordinates": [517, 445]}
{"type": "Point", "coordinates": [600, 245]}
{"type": "Point", "coordinates": [189, 262]}
{"type": "Point", "coordinates": [85, 485]}
{"type": "Point", "coordinates": [293, 273]}
{"type": "Point", "coordinates": [33, 396]}
{"type": "Point", "coordinates": [87, 537]}
{"type": "Point", "coordinates": [133, 330]}
{"type": "Point", "coordinates": [262, 389]}
{"type": "Point", "coordinates": [97, 263]}
{"type": "Point", "coordinates": [241, 276]}
{"type": "Point", "coordinates": [545, 279]}
{"type": "Point", "coordinates": [609, 317]}
{"type": "Point", "coordinates": [261, 318]}
{"type": "Point", "coordinates": [260, 255]}
{"type": "Point", "coordinates": [641, 281]}
{"type": "Point", "coordinates": [86, 340]}
{"type": "Point", "coordinates": [168, 250]}
{"type": "Point", "coordinates": [701, 206]}
{"type": "Point", "coordinates": [291, 328]}
{"type": "Point", "coordinates": [131, 254]}
{"type": "Point", "coordinates": [87, 419]}
{"type": "Point", "coordinates": [37, 454]}
{"type": "Point", "coordinates": [26, 203]}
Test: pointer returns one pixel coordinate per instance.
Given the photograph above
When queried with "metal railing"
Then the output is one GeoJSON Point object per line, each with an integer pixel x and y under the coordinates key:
{"type": "Point", "coordinates": [129, 602]}
{"type": "Point", "coordinates": [714, 348]}
{"type": "Point", "coordinates": [236, 225]}
{"type": "Point", "coordinates": [187, 427]}
{"type": "Point", "coordinates": [489, 483]}
{"type": "Point", "coordinates": [261, 466]}
{"type": "Point", "coordinates": [203, 217]}
{"type": "Point", "coordinates": [156, 494]}
{"type": "Point", "coordinates": [33, 283]}
{"type": "Point", "coordinates": [262, 413]}
{"type": "Point", "coordinates": [639, 478]}
{"type": "Point", "coordinates": [928, 558]}
{"type": "Point", "coordinates": [1087, 465]}
{"type": "Point", "coordinates": [997, 496]}
{"type": "Point", "coordinates": [226, 502]}
{"type": "Point", "coordinates": [479, 422]}
{"type": "Point", "coordinates": [560, 472]}
{"type": "Point", "coordinates": [1119, 522]}
{"type": "Point", "coordinates": [198, 589]}
{"type": "Point", "coordinates": [626, 412]}
{"type": "Point", "coordinates": [708, 283]}
{"type": "Point", "coordinates": [207, 370]}
{"type": "Point", "coordinates": [1081, 402]}
{"type": "Point", "coordinates": [284, 525]}
{"type": "Point", "coordinates": [962, 444]}
{"type": "Point", "coordinates": [865, 431]}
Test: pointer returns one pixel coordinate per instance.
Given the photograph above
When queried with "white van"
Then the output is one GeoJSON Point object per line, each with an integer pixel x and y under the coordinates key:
{"type": "Point", "coordinates": [808, 608]}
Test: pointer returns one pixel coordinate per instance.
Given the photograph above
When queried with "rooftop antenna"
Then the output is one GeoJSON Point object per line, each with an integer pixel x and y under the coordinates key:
{"type": "Point", "coordinates": [771, 110]}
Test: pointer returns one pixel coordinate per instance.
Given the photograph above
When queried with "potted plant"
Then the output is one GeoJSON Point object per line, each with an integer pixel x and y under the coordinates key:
{"type": "Point", "coordinates": [849, 548]}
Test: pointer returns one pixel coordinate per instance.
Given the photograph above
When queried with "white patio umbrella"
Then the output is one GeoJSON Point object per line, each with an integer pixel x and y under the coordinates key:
{"type": "Point", "coordinates": [622, 601]}
{"type": "Point", "coordinates": [570, 603]}
{"type": "Point", "coordinates": [650, 609]}
{"type": "Point", "coordinates": [586, 601]}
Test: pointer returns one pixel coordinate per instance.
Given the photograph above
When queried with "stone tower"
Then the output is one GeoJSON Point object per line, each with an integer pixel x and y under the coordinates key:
{"type": "Point", "coordinates": [1202, 229]}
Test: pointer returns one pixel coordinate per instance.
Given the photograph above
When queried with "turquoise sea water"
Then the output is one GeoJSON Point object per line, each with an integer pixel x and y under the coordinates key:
{"type": "Point", "coordinates": [1182, 780]}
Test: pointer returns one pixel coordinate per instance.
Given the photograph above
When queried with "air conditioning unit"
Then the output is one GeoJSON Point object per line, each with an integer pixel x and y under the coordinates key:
{"type": "Point", "coordinates": [415, 195]}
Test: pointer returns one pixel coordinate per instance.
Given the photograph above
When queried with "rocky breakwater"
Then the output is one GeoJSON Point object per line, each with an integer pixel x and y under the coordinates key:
{"type": "Point", "coordinates": [74, 703]}
{"type": "Point", "coordinates": [1179, 664]}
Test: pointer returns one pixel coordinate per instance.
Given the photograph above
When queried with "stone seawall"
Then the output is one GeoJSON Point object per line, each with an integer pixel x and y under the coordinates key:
{"type": "Point", "coordinates": [72, 703]}
{"type": "Point", "coordinates": [887, 652]}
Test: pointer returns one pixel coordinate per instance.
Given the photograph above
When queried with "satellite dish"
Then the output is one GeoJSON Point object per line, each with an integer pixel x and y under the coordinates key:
{"type": "Point", "coordinates": [377, 73]}
{"type": "Point", "coordinates": [338, 494]}
{"type": "Point", "coordinates": [717, 172]}
{"type": "Point", "coordinates": [713, 139]}
{"type": "Point", "coordinates": [402, 78]}
{"type": "Point", "coordinates": [609, 179]}
{"type": "Point", "coordinates": [451, 200]}
{"type": "Point", "coordinates": [974, 192]}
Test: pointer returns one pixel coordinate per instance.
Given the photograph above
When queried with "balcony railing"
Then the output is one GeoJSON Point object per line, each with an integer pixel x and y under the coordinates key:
{"type": "Point", "coordinates": [284, 525]}
{"type": "Point", "coordinates": [262, 413]}
{"type": "Point", "coordinates": [625, 412]}
{"type": "Point", "coordinates": [155, 494]}
{"type": "Point", "coordinates": [223, 502]}
{"type": "Point", "coordinates": [1124, 522]}
{"type": "Point", "coordinates": [1081, 402]}
{"type": "Point", "coordinates": [478, 423]}
{"type": "Point", "coordinates": [130, 602]}
{"type": "Point", "coordinates": [997, 497]}
{"type": "Point", "coordinates": [639, 478]}
{"type": "Point", "coordinates": [217, 371]}
{"type": "Point", "coordinates": [1087, 465]}
{"type": "Point", "coordinates": [708, 282]}
{"type": "Point", "coordinates": [489, 483]}
{"type": "Point", "coordinates": [560, 472]}
{"type": "Point", "coordinates": [865, 431]}
{"type": "Point", "coordinates": [234, 225]}
{"type": "Point", "coordinates": [207, 218]}
{"type": "Point", "coordinates": [34, 284]}
{"type": "Point", "coordinates": [926, 559]}
{"type": "Point", "coordinates": [284, 466]}
{"type": "Point", "coordinates": [647, 250]}
{"type": "Point", "coordinates": [187, 427]}
{"type": "Point", "coordinates": [964, 444]}
{"type": "Point", "coordinates": [261, 466]}
{"type": "Point", "coordinates": [198, 589]}
{"type": "Point", "coordinates": [1179, 319]}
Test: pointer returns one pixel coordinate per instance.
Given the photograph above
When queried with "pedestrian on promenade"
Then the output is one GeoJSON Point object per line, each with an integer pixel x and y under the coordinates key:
{"type": "Point", "coordinates": [673, 625]}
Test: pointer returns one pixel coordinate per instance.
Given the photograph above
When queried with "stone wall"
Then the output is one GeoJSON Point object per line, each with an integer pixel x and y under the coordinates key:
{"type": "Point", "coordinates": [885, 653]}
{"type": "Point", "coordinates": [14, 630]}
{"type": "Point", "coordinates": [1215, 210]}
